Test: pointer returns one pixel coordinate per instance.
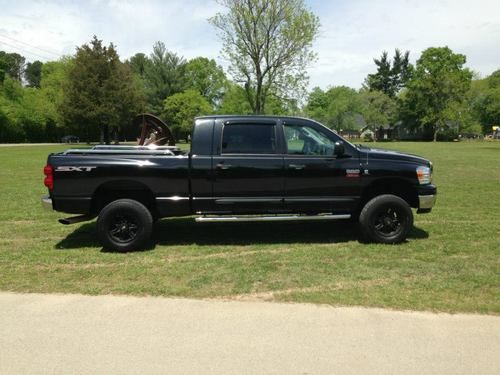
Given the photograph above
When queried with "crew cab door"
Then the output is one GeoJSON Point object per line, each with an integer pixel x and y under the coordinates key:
{"type": "Point", "coordinates": [316, 180]}
{"type": "Point", "coordinates": [248, 167]}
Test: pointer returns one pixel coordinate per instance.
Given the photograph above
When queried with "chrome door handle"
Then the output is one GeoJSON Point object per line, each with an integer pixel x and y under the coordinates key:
{"type": "Point", "coordinates": [223, 166]}
{"type": "Point", "coordinates": [296, 166]}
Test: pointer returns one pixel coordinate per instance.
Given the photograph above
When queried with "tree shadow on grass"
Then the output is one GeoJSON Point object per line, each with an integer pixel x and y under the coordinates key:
{"type": "Point", "coordinates": [184, 231]}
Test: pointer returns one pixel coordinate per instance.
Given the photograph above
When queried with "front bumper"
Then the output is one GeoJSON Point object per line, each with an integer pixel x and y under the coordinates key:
{"type": "Point", "coordinates": [426, 198]}
{"type": "Point", "coordinates": [426, 201]}
{"type": "Point", "coordinates": [47, 202]}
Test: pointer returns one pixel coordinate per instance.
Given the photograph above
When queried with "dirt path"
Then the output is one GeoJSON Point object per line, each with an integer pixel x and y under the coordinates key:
{"type": "Point", "coordinates": [62, 334]}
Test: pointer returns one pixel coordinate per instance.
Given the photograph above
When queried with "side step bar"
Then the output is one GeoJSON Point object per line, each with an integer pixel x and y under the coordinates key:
{"type": "Point", "coordinates": [204, 219]}
{"type": "Point", "coordinates": [76, 219]}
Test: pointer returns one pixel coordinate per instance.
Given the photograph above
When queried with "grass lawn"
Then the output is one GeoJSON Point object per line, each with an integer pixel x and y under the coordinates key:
{"type": "Point", "coordinates": [451, 261]}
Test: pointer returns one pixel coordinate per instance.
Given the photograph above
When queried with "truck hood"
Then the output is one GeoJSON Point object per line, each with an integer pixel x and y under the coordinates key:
{"type": "Point", "coordinates": [376, 153]}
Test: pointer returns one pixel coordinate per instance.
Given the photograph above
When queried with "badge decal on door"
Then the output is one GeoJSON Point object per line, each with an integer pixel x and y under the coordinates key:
{"type": "Point", "coordinates": [352, 172]}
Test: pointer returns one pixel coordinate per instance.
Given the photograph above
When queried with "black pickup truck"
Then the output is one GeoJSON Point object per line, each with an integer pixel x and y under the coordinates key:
{"type": "Point", "coordinates": [241, 168]}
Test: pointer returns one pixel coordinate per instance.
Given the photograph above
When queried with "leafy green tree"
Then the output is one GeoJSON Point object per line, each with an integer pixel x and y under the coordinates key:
{"type": "Point", "coordinates": [268, 43]}
{"type": "Point", "coordinates": [486, 101]}
{"type": "Point", "coordinates": [11, 64]}
{"type": "Point", "coordinates": [207, 77]}
{"type": "Point", "coordinates": [10, 105]}
{"type": "Point", "coordinates": [180, 109]}
{"type": "Point", "coordinates": [33, 73]}
{"type": "Point", "coordinates": [377, 108]}
{"type": "Point", "coordinates": [3, 67]}
{"type": "Point", "coordinates": [55, 77]}
{"type": "Point", "coordinates": [234, 101]}
{"type": "Point", "coordinates": [36, 116]}
{"type": "Point", "coordinates": [25, 113]}
{"type": "Point", "coordinates": [335, 108]}
{"type": "Point", "coordinates": [438, 87]}
{"type": "Point", "coordinates": [12, 89]}
{"type": "Point", "coordinates": [163, 77]}
{"type": "Point", "coordinates": [100, 94]}
{"type": "Point", "coordinates": [32, 113]}
{"type": "Point", "coordinates": [138, 64]}
{"type": "Point", "coordinates": [391, 76]}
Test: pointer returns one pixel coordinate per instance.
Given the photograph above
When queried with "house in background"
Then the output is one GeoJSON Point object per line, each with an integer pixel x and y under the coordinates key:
{"type": "Point", "coordinates": [354, 125]}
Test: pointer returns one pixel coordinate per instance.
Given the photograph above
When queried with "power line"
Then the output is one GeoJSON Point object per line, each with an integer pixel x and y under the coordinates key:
{"type": "Point", "coordinates": [26, 51]}
{"type": "Point", "coordinates": [29, 45]}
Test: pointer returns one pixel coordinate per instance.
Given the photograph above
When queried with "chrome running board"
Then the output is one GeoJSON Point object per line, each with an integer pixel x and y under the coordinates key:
{"type": "Point", "coordinates": [212, 218]}
{"type": "Point", "coordinates": [76, 219]}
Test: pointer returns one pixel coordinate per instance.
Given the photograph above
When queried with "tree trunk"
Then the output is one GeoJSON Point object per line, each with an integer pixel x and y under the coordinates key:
{"type": "Point", "coordinates": [87, 133]}
{"type": "Point", "coordinates": [436, 130]}
{"type": "Point", "coordinates": [115, 136]}
{"type": "Point", "coordinates": [258, 103]}
{"type": "Point", "coordinates": [106, 134]}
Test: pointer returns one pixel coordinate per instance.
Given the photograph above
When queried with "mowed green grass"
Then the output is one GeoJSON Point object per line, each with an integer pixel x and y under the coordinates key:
{"type": "Point", "coordinates": [449, 263]}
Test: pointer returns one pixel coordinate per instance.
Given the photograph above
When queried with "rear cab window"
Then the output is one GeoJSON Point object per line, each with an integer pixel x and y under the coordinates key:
{"type": "Point", "coordinates": [248, 138]}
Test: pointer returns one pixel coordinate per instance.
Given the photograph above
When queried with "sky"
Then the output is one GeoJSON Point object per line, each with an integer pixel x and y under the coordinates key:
{"type": "Point", "coordinates": [352, 32]}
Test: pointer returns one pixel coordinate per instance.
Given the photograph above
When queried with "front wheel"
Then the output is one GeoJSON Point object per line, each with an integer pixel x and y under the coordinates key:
{"type": "Point", "coordinates": [124, 225]}
{"type": "Point", "coordinates": [386, 219]}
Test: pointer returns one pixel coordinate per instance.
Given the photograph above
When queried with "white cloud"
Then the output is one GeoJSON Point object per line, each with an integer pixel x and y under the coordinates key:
{"type": "Point", "coordinates": [352, 34]}
{"type": "Point", "coordinates": [131, 25]}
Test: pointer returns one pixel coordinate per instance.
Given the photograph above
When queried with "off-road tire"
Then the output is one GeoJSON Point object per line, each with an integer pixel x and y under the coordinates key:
{"type": "Point", "coordinates": [124, 225]}
{"type": "Point", "coordinates": [386, 219]}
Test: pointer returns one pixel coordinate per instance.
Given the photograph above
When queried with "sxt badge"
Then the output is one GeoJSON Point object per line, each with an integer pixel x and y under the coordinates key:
{"type": "Point", "coordinates": [67, 168]}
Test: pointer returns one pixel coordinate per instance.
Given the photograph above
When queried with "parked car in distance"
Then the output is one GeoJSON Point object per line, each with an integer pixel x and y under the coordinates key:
{"type": "Point", "coordinates": [70, 139]}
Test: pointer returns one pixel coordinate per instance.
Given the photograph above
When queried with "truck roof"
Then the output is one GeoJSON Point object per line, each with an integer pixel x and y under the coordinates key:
{"type": "Point", "coordinates": [215, 117]}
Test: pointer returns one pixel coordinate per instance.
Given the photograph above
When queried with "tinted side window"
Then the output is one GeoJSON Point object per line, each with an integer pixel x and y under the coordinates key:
{"type": "Point", "coordinates": [249, 139]}
{"type": "Point", "coordinates": [305, 140]}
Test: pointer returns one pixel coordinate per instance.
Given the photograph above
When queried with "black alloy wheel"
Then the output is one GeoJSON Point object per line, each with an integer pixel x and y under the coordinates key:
{"type": "Point", "coordinates": [123, 228]}
{"type": "Point", "coordinates": [387, 221]}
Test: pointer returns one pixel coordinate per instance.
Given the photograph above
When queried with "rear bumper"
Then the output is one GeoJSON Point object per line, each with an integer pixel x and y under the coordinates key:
{"type": "Point", "coordinates": [47, 202]}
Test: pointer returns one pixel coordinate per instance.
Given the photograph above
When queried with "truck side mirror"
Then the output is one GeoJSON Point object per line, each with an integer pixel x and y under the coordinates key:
{"type": "Point", "coordinates": [339, 149]}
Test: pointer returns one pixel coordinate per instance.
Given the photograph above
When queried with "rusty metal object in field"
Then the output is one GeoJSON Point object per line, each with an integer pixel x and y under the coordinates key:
{"type": "Point", "coordinates": [153, 131]}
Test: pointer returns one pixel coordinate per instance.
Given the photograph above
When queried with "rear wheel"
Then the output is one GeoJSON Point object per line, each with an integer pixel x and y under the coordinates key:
{"type": "Point", "coordinates": [124, 225]}
{"type": "Point", "coordinates": [386, 219]}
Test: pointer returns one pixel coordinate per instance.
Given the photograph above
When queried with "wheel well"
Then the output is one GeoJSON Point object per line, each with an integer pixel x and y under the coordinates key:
{"type": "Point", "coordinates": [111, 191]}
{"type": "Point", "coordinates": [395, 186]}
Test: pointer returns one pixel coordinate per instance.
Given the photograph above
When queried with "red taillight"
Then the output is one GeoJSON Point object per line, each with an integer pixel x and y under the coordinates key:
{"type": "Point", "coordinates": [48, 171]}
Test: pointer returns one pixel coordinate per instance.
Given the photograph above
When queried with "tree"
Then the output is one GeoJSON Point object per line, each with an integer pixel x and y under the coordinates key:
{"type": "Point", "coordinates": [437, 89]}
{"type": "Point", "coordinates": [3, 67]}
{"type": "Point", "coordinates": [336, 108]}
{"type": "Point", "coordinates": [33, 73]}
{"type": "Point", "coordinates": [55, 77]}
{"type": "Point", "coordinates": [138, 64]}
{"type": "Point", "coordinates": [100, 94]}
{"type": "Point", "coordinates": [28, 114]}
{"type": "Point", "coordinates": [234, 101]}
{"type": "Point", "coordinates": [486, 102]}
{"type": "Point", "coordinates": [205, 76]}
{"type": "Point", "coordinates": [180, 109]}
{"type": "Point", "coordinates": [11, 94]}
{"type": "Point", "coordinates": [268, 43]}
{"type": "Point", "coordinates": [11, 64]}
{"type": "Point", "coordinates": [163, 77]}
{"type": "Point", "coordinates": [390, 77]}
{"type": "Point", "coordinates": [378, 109]}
